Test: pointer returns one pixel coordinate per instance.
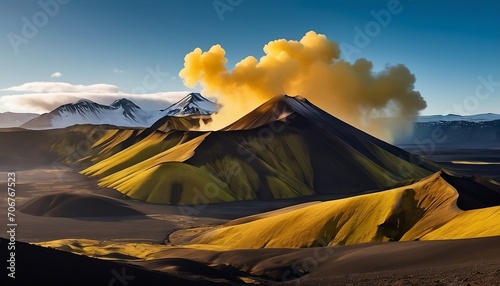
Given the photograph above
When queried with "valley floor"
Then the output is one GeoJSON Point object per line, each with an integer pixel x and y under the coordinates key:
{"type": "Point", "coordinates": [457, 262]}
{"type": "Point", "coordinates": [485, 162]}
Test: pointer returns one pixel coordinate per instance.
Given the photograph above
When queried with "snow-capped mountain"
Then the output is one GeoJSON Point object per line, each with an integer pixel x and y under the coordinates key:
{"type": "Point", "coordinates": [454, 131]}
{"type": "Point", "coordinates": [193, 103]}
{"type": "Point", "coordinates": [454, 117]}
{"type": "Point", "coordinates": [11, 119]}
{"type": "Point", "coordinates": [121, 112]}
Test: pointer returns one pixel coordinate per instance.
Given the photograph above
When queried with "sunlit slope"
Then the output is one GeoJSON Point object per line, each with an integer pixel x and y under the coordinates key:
{"type": "Point", "coordinates": [468, 224]}
{"type": "Point", "coordinates": [89, 144]}
{"type": "Point", "coordinates": [120, 149]}
{"type": "Point", "coordinates": [286, 148]}
{"type": "Point", "coordinates": [163, 178]}
{"type": "Point", "coordinates": [424, 210]}
{"type": "Point", "coordinates": [171, 183]}
{"type": "Point", "coordinates": [271, 111]}
{"type": "Point", "coordinates": [112, 142]}
{"type": "Point", "coordinates": [152, 145]}
{"type": "Point", "coordinates": [86, 144]}
{"type": "Point", "coordinates": [106, 249]}
{"type": "Point", "coordinates": [178, 153]}
{"type": "Point", "coordinates": [183, 123]}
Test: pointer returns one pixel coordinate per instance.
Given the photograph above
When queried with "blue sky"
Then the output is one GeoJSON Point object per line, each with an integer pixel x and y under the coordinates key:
{"type": "Point", "coordinates": [448, 45]}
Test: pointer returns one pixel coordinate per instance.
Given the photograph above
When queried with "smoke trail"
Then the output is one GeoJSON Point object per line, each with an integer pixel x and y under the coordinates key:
{"type": "Point", "coordinates": [380, 103]}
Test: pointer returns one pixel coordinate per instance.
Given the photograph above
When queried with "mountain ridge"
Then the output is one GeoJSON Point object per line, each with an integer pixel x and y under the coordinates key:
{"type": "Point", "coordinates": [121, 112]}
{"type": "Point", "coordinates": [482, 117]}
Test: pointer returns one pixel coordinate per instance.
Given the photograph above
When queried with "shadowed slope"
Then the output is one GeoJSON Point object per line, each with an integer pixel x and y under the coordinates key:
{"type": "Point", "coordinates": [320, 264]}
{"type": "Point", "coordinates": [77, 205]}
{"type": "Point", "coordinates": [54, 267]}
{"type": "Point", "coordinates": [315, 265]}
{"type": "Point", "coordinates": [475, 192]}
{"type": "Point", "coordinates": [26, 148]}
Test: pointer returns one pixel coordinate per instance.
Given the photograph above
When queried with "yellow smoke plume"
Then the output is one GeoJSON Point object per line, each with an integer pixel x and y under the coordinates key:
{"type": "Point", "coordinates": [380, 103]}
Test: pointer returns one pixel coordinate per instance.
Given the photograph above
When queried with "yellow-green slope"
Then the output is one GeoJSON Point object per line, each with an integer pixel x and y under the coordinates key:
{"type": "Point", "coordinates": [150, 146]}
{"type": "Point", "coordinates": [424, 210]}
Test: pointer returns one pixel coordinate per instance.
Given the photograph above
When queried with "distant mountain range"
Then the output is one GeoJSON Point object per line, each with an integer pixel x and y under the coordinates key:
{"type": "Point", "coordinates": [454, 131]}
{"type": "Point", "coordinates": [11, 119]}
{"type": "Point", "coordinates": [121, 112]}
{"type": "Point", "coordinates": [454, 117]}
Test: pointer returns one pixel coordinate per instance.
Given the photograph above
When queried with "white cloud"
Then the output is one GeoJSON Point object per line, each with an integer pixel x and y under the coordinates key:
{"type": "Point", "coordinates": [117, 71]}
{"type": "Point", "coordinates": [56, 75]}
{"type": "Point", "coordinates": [41, 97]}
{"type": "Point", "coordinates": [44, 86]}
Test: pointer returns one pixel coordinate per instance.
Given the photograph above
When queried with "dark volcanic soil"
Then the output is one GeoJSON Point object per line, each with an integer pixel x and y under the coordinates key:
{"type": "Point", "coordinates": [466, 274]}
